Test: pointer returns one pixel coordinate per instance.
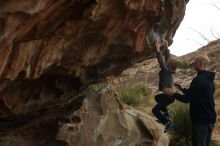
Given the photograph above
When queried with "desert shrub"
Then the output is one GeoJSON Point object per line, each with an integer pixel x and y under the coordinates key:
{"type": "Point", "coordinates": [183, 65]}
{"type": "Point", "coordinates": [180, 133]}
{"type": "Point", "coordinates": [134, 95]}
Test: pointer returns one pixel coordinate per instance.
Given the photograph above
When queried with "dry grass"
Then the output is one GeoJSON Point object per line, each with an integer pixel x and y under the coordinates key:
{"type": "Point", "coordinates": [217, 92]}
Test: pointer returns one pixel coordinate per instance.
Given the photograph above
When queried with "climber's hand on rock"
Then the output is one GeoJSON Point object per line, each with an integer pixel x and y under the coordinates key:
{"type": "Point", "coordinates": [157, 45]}
{"type": "Point", "coordinates": [165, 44]}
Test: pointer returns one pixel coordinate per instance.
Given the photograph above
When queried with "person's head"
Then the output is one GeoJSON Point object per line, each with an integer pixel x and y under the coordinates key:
{"type": "Point", "coordinates": [201, 62]}
{"type": "Point", "coordinates": [172, 63]}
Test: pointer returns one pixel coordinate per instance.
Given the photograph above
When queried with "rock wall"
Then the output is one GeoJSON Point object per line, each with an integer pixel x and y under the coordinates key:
{"type": "Point", "coordinates": [88, 39]}
{"type": "Point", "coordinates": [51, 50]}
{"type": "Point", "coordinates": [51, 47]}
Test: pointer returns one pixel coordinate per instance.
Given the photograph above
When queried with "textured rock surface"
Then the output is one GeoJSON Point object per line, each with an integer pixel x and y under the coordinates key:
{"type": "Point", "coordinates": [101, 121]}
{"type": "Point", "coordinates": [104, 121]}
{"type": "Point", "coordinates": [86, 38]}
{"type": "Point", "coordinates": [50, 50]}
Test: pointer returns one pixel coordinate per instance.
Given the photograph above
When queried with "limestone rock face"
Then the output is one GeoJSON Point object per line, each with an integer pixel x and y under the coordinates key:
{"type": "Point", "coordinates": [51, 50]}
{"type": "Point", "coordinates": [87, 38]}
{"type": "Point", "coordinates": [104, 121]}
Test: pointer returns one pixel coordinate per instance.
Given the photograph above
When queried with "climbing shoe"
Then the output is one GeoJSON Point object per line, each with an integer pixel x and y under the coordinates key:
{"type": "Point", "coordinates": [168, 125]}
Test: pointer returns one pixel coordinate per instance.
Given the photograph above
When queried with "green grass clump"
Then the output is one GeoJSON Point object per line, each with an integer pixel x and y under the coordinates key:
{"type": "Point", "coordinates": [134, 95]}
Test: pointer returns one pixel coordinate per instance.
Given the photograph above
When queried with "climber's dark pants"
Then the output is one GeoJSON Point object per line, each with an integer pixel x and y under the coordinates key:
{"type": "Point", "coordinates": [201, 134]}
{"type": "Point", "coordinates": [163, 101]}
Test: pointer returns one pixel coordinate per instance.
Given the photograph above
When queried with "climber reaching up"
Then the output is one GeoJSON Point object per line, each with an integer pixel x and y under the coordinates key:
{"type": "Point", "coordinates": [168, 67]}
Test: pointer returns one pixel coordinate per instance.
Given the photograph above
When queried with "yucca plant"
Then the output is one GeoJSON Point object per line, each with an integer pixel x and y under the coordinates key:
{"type": "Point", "coordinates": [180, 134]}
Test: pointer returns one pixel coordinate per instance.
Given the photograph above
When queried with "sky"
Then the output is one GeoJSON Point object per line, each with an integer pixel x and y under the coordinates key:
{"type": "Point", "coordinates": [200, 25]}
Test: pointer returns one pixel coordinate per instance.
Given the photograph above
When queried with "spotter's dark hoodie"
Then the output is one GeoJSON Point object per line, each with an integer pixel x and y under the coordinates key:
{"type": "Point", "coordinates": [200, 96]}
